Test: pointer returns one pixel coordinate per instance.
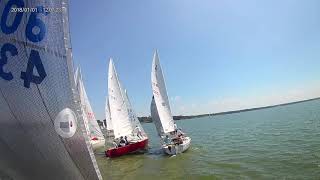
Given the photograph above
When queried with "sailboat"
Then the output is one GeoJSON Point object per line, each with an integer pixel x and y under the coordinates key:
{"type": "Point", "coordinates": [173, 140]}
{"type": "Point", "coordinates": [91, 125]}
{"type": "Point", "coordinates": [41, 127]}
{"type": "Point", "coordinates": [124, 121]}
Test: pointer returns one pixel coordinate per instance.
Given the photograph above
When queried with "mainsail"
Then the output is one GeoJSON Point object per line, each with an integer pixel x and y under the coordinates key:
{"type": "Point", "coordinates": [155, 117]}
{"type": "Point", "coordinates": [121, 121]}
{"type": "Point", "coordinates": [108, 116]}
{"type": "Point", "coordinates": [160, 95]}
{"type": "Point", "coordinates": [37, 90]}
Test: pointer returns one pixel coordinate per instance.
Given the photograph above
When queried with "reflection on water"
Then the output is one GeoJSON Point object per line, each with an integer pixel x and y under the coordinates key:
{"type": "Point", "coordinates": [277, 143]}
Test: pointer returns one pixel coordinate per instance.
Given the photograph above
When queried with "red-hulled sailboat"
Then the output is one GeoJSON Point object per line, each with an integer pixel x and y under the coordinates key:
{"type": "Point", "coordinates": [124, 121]}
{"type": "Point", "coordinates": [130, 148]}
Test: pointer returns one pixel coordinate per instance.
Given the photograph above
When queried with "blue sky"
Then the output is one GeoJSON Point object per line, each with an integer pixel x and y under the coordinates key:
{"type": "Point", "coordinates": [216, 55]}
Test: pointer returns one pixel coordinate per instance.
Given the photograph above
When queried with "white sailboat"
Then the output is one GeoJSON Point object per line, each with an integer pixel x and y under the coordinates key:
{"type": "Point", "coordinates": [161, 113]}
{"type": "Point", "coordinates": [93, 129]}
{"type": "Point", "coordinates": [41, 129]}
{"type": "Point", "coordinates": [122, 117]}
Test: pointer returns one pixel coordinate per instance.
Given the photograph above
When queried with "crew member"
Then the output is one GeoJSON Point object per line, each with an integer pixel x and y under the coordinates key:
{"type": "Point", "coordinates": [139, 132]}
{"type": "Point", "coordinates": [122, 142]}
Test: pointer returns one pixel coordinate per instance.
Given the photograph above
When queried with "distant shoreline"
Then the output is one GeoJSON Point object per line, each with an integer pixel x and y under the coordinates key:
{"type": "Point", "coordinates": [147, 119]}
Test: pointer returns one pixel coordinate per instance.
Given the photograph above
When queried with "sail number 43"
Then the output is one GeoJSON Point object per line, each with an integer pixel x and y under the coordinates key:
{"type": "Point", "coordinates": [35, 31]}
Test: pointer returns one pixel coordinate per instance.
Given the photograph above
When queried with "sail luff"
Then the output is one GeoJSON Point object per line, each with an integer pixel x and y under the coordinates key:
{"type": "Point", "coordinates": [160, 95]}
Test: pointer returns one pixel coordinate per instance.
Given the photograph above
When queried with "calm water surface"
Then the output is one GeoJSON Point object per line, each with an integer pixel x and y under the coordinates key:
{"type": "Point", "coordinates": [276, 143]}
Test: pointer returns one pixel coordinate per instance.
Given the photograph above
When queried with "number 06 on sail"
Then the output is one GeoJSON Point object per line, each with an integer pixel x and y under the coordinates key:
{"type": "Point", "coordinates": [174, 141]}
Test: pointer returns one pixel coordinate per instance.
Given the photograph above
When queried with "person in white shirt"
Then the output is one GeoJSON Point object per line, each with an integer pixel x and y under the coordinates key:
{"type": "Point", "coordinates": [115, 144]}
{"type": "Point", "coordinates": [139, 132]}
{"type": "Point", "coordinates": [180, 133]}
{"type": "Point", "coordinates": [175, 126]}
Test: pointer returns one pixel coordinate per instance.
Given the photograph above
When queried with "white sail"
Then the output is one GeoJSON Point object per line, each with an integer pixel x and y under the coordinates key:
{"type": "Point", "coordinates": [37, 92]}
{"type": "Point", "coordinates": [155, 117]}
{"type": "Point", "coordinates": [121, 121]}
{"type": "Point", "coordinates": [95, 131]}
{"type": "Point", "coordinates": [80, 88]}
{"type": "Point", "coordinates": [108, 116]}
{"type": "Point", "coordinates": [160, 95]}
{"type": "Point", "coordinates": [134, 119]}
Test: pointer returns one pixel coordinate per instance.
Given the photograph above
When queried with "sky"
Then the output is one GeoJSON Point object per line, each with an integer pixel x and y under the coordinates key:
{"type": "Point", "coordinates": [215, 55]}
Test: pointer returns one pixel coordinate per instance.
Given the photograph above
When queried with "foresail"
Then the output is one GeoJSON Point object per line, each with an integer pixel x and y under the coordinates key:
{"type": "Point", "coordinates": [108, 116]}
{"type": "Point", "coordinates": [118, 109]}
{"type": "Point", "coordinates": [41, 134]}
{"type": "Point", "coordinates": [155, 117]}
{"type": "Point", "coordinates": [160, 95]}
{"type": "Point", "coordinates": [134, 119]}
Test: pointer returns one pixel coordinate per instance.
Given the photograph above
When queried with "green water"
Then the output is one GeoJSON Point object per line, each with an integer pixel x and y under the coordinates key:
{"type": "Point", "coordinates": [276, 143]}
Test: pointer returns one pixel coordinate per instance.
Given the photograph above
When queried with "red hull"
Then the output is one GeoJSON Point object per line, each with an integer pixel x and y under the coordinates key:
{"type": "Point", "coordinates": [115, 152]}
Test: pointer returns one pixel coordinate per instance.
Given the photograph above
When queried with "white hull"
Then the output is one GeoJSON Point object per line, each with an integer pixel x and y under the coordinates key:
{"type": "Point", "coordinates": [97, 143]}
{"type": "Point", "coordinates": [177, 149]}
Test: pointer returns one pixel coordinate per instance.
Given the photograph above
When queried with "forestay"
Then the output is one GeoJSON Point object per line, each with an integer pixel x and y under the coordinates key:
{"type": "Point", "coordinates": [160, 95]}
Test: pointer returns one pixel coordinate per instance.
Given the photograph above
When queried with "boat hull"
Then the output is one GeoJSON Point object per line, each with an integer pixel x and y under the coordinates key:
{"type": "Point", "coordinates": [177, 149]}
{"type": "Point", "coordinates": [120, 151]}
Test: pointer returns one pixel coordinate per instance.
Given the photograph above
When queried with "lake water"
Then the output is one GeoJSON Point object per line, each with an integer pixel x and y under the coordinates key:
{"type": "Point", "coordinates": [276, 143]}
